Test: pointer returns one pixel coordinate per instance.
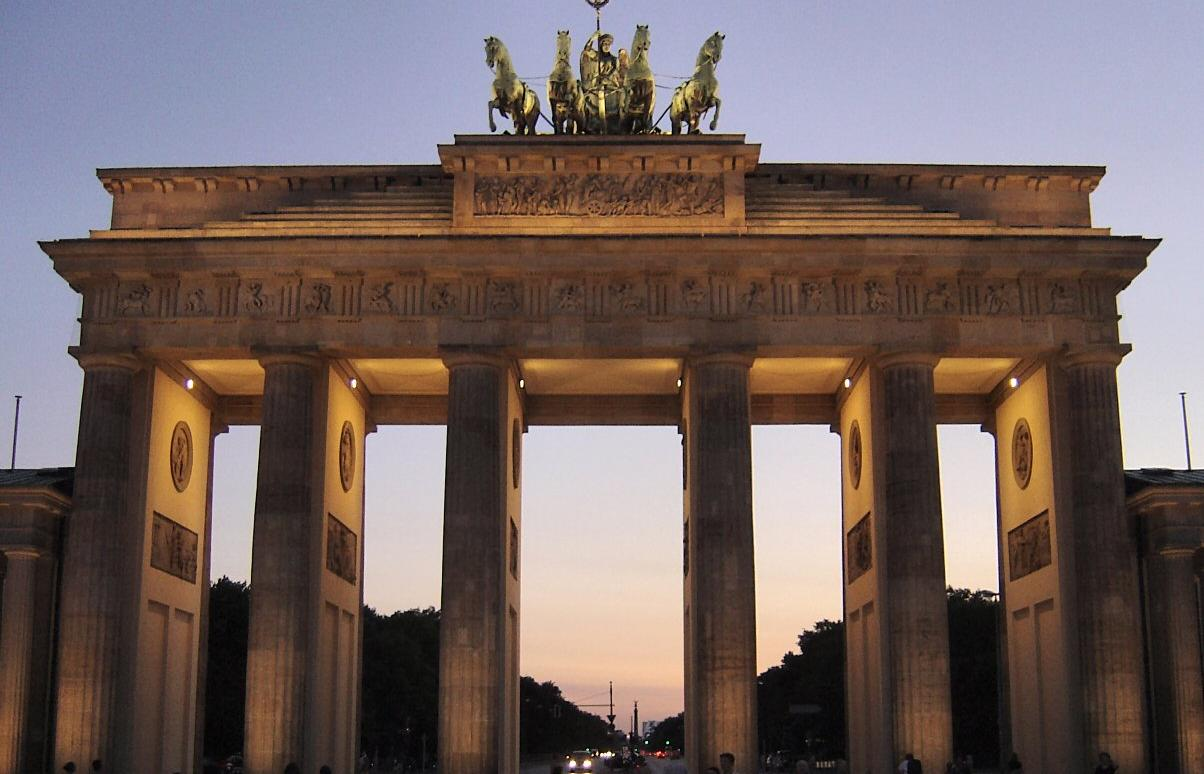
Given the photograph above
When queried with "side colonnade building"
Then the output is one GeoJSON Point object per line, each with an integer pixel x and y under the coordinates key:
{"type": "Point", "coordinates": [590, 280]}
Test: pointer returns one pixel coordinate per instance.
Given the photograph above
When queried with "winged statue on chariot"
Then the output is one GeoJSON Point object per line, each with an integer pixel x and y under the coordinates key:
{"type": "Point", "coordinates": [609, 93]}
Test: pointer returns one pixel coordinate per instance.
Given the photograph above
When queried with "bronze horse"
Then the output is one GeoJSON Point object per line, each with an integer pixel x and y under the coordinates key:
{"type": "Point", "coordinates": [565, 98]}
{"type": "Point", "coordinates": [696, 96]}
{"type": "Point", "coordinates": [639, 87]}
{"type": "Point", "coordinates": [511, 97]}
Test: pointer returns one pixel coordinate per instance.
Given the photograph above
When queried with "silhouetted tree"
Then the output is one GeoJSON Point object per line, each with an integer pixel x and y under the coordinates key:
{"type": "Point", "coordinates": [551, 724]}
{"type": "Point", "coordinates": [400, 684]}
{"type": "Point", "coordinates": [226, 672]}
{"type": "Point", "coordinates": [815, 676]}
{"type": "Point", "coordinates": [670, 732]}
{"type": "Point", "coordinates": [973, 666]}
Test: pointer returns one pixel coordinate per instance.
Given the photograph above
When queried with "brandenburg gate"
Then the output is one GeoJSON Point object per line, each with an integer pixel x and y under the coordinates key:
{"type": "Point", "coordinates": [594, 280]}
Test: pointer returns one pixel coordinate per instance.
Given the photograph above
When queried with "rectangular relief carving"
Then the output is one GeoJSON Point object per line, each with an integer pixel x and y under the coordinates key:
{"type": "Point", "coordinates": [1029, 547]}
{"type": "Point", "coordinates": [860, 549]}
{"type": "Point", "coordinates": [599, 195]}
{"type": "Point", "coordinates": [173, 548]}
{"type": "Point", "coordinates": [342, 556]}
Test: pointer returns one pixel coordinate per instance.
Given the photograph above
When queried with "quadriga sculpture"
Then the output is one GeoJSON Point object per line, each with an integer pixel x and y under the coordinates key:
{"type": "Point", "coordinates": [511, 97]}
{"type": "Point", "coordinates": [701, 93]}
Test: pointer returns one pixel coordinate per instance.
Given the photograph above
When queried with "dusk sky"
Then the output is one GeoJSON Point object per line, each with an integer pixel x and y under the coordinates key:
{"type": "Point", "coordinates": [87, 85]}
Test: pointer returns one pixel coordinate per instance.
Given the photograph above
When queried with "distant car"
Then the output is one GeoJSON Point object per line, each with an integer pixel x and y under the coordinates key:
{"type": "Point", "coordinates": [579, 761]}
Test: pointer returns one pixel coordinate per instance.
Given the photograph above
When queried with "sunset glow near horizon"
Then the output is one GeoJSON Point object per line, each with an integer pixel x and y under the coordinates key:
{"type": "Point", "coordinates": [144, 84]}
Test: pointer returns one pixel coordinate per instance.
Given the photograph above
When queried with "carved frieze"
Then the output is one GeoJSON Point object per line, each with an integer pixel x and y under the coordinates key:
{"type": "Point", "coordinates": [939, 298]}
{"type": "Point", "coordinates": [478, 295]}
{"type": "Point", "coordinates": [628, 297]}
{"type": "Point", "coordinates": [1029, 547]}
{"type": "Point", "coordinates": [696, 295]}
{"type": "Point", "coordinates": [878, 297]}
{"type": "Point", "coordinates": [815, 296]}
{"type": "Point", "coordinates": [380, 297]}
{"type": "Point", "coordinates": [599, 195]}
{"type": "Point", "coordinates": [173, 548]}
{"type": "Point", "coordinates": [568, 297]}
{"type": "Point", "coordinates": [134, 300]}
{"type": "Point", "coordinates": [443, 298]}
{"type": "Point", "coordinates": [342, 552]}
{"type": "Point", "coordinates": [505, 297]}
{"type": "Point", "coordinates": [860, 549]}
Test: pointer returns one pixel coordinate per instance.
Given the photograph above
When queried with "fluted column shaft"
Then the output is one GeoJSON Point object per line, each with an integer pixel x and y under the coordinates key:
{"type": "Point", "coordinates": [28, 602]}
{"type": "Point", "coordinates": [281, 577]}
{"type": "Point", "coordinates": [1105, 550]}
{"type": "Point", "coordinates": [1177, 681]}
{"type": "Point", "coordinates": [96, 587]}
{"type": "Point", "coordinates": [721, 588]}
{"type": "Point", "coordinates": [472, 672]}
{"type": "Point", "coordinates": [914, 563]}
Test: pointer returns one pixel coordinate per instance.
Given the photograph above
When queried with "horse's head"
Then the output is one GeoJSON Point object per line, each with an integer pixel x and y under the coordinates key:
{"type": "Point", "coordinates": [564, 45]}
{"type": "Point", "coordinates": [714, 45]}
{"type": "Point", "coordinates": [642, 40]}
{"type": "Point", "coordinates": [493, 50]}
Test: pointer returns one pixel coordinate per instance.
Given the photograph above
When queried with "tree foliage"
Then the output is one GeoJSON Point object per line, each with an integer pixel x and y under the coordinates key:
{"type": "Point", "coordinates": [226, 670]}
{"type": "Point", "coordinates": [400, 691]}
{"type": "Point", "coordinates": [670, 732]}
{"type": "Point", "coordinates": [551, 724]}
{"type": "Point", "coordinates": [815, 676]}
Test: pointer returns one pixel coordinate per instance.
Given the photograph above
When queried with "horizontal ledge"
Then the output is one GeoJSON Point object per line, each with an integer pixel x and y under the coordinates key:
{"type": "Point", "coordinates": [614, 410]}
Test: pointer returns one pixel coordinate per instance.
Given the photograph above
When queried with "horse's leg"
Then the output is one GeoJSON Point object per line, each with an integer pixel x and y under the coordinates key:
{"type": "Point", "coordinates": [492, 105]}
{"type": "Point", "coordinates": [715, 119]}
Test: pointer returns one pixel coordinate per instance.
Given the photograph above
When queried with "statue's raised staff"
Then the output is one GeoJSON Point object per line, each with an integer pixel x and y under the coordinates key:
{"type": "Point", "coordinates": [695, 97]}
{"type": "Point", "coordinates": [639, 88]}
{"type": "Point", "coordinates": [511, 97]}
{"type": "Point", "coordinates": [565, 98]}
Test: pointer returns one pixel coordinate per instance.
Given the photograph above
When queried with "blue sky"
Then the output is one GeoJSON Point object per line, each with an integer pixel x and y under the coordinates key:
{"type": "Point", "coordinates": [87, 85]}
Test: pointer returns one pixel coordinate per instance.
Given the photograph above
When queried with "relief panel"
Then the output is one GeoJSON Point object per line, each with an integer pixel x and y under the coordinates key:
{"type": "Point", "coordinates": [173, 548]}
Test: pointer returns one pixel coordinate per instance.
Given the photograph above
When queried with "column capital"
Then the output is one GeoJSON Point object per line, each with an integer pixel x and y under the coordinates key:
{"type": "Point", "coordinates": [735, 358]}
{"type": "Point", "coordinates": [309, 357]}
{"type": "Point", "coordinates": [125, 361]}
{"type": "Point", "coordinates": [465, 356]}
{"type": "Point", "coordinates": [1107, 354]}
{"type": "Point", "coordinates": [895, 359]}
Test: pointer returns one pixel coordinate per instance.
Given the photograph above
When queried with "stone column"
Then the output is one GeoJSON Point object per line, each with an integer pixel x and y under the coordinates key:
{"type": "Point", "coordinates": [916, 611]}
{"type": "Point", "coordinates": [1175, 659]}
{"type": "Point", "coordinates": [721, 637]}
{"type": "Point", "coordinates": [28, 603]}
{"type": "Point", "coordinates": [96, 585]}
{"type": "Point", "coordinates": [282, 552]}
{"type": "Point", "coordinates": [1105, 565]}
{"type": "Point", "coordinates": [477, 647]}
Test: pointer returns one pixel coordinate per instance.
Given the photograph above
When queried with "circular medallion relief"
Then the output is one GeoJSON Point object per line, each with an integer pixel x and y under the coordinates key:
{"type": "Point", "coordinates": [347, 456]}
{"type": "Point", "coordinates": [180, 456]}
{"type": "Point", "coordinates": [855, 454]}
{"type": "Point", "coordinates": [1022, 453]}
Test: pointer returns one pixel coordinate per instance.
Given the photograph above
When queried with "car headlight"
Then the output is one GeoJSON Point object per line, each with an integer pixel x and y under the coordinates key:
{"type": "Point", "coordinates": [587, 764]}
{"type": "Point", "coordinates": [572, 763]}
